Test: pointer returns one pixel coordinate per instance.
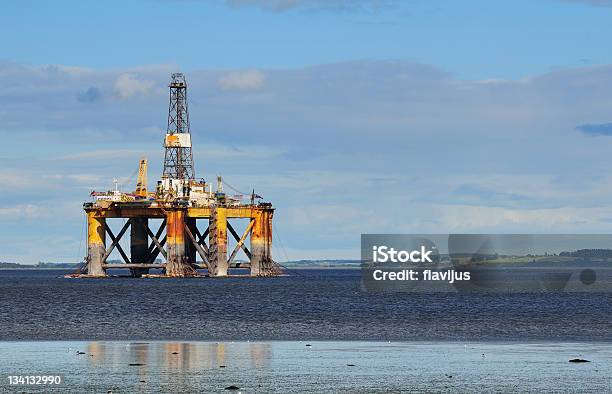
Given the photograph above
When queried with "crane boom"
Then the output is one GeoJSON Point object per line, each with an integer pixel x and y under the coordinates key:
{"type": "Point", "coordinates": [141, 184]}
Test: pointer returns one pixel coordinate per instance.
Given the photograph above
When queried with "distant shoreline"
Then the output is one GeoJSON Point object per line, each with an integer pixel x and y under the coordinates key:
{"type": "Point", "coordinates": [295, 264]}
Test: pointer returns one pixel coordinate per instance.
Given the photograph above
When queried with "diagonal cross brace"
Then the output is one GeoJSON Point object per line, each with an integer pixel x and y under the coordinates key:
{"type": "Point", "coordinates": [237, 238]}
{"type": "Point", "coordinates": [203, 253]}
{"type": "Point", "coordinates": [152, 247]}
{"type": "Point", "coordinates": [116, 241]}
{"type": "Point", "coordinates": [202, 238]}
{"type": "Point", "coordinates": [241, 242]}
{"type": "Point", "coordinates": [155, 253]}
{"type": "Point", "coordinates": [160, 247]}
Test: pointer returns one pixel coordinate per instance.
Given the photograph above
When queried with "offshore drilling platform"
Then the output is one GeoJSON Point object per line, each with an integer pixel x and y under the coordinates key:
{"type": "Point", "coordinates": [180, 203]}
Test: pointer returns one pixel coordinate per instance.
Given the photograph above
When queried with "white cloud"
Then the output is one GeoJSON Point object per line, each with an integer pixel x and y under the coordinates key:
{"type": "Point", "coordinates": [20, 211]}
{"type": "Point", "coordinates": [73, 70]}
{"type": "Point", "coordinates": [242, 80]}
{"type": "Point", "coordinates": [105, 154]}
{"type": "Point", "coordinates": [462, 218]}
{"type": "Point", "coordinates": [88, 179]}
{"type": "Point", "coordinates": [128, 85]}
{"type": "Point", "coordinates": [250, 152]}
{"type": "Point", "coordinates": [16, 180]}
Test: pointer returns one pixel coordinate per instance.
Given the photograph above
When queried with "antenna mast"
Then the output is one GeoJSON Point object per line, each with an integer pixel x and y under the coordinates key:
{"type": "Point", "coordinates": [178, 160]}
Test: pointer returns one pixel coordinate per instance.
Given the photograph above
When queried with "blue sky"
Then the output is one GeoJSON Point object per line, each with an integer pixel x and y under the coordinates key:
{"type": "Point", "coordinates": [471, 39]}
{"type": "Point", "coordinates": [351, 116]}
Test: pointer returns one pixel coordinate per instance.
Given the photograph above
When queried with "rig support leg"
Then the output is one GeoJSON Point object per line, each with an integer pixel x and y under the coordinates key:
{"type": "Point", "coordinates": [217, 264]}
{"type": "Point", "coordinates": [139, 245]}
{"type": "Point", "coordinates": [261, 243]}
{"type": "Point", "coordinates": [96, 244]}
{"type": "Point", "coordinates": [190, 249]}
{"type": "Point", "coordinates": [176, 264]}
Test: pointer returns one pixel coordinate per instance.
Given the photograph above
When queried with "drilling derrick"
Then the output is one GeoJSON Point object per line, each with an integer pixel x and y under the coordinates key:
{"type": "Point", "coordinates": [178, 160]}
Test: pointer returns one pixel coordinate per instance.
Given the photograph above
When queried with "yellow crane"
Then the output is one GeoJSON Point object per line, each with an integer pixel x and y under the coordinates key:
{"type": "Point", "coordinates": [141, 183]}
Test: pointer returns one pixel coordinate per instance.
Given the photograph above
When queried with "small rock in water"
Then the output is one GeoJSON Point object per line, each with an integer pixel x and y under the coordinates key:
{"type": "Point", "coordinates": [579, 360]}
{"type": "Point", "coordinates": [232, 387]}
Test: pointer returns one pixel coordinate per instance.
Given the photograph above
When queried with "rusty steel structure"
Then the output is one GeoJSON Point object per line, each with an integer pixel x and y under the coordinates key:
{"type": "Point", "coordinates": [180, 239]}
{"type": "Point", "coordinates": [195, 222]}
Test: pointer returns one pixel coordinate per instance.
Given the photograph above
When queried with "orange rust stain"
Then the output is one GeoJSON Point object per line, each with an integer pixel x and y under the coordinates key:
{"type": "Point", "coordinates": [175, 230]}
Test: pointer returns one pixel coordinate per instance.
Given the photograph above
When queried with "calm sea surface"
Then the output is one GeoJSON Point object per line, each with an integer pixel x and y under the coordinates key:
{"type": "Point", "coordinates": [307, 305]}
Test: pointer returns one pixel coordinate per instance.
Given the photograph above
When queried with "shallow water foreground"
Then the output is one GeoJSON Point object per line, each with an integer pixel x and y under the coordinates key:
{"type": "Point", "coordinates": [123, 367]}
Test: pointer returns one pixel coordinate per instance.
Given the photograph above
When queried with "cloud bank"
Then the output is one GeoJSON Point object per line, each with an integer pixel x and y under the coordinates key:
{"type": "Point", "coordinates": [242, 80]}
{"type": "Point", "coordinates": [341, 149]}
{"type": "Point", "coordinates": [128, 85]}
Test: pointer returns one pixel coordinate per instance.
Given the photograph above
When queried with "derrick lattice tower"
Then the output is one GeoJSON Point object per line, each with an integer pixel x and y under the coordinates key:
{"type": "Point", "coordinates": [178, 160]}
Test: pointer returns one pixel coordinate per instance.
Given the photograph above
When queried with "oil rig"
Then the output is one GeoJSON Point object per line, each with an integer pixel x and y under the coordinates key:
{"type": "Point", "coordinates": [180, 203]}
